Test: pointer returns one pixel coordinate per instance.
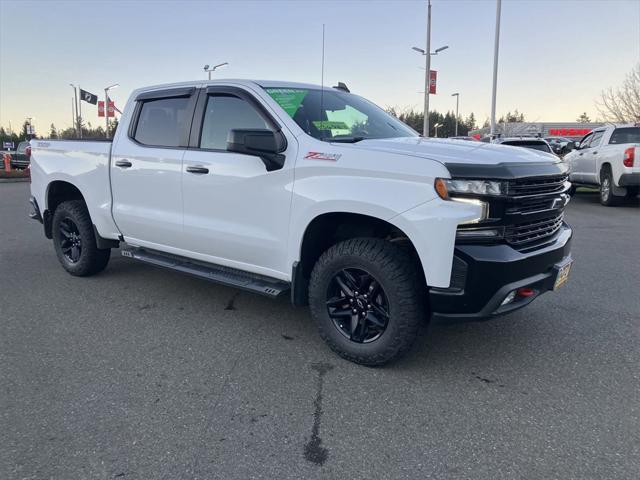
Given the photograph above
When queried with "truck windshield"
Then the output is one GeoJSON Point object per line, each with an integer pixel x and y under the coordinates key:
{"type": "Point", "coordinates": [533, 145]}
{"type": "Point", "coordinates": [625, 135]}
{"type": "Point", "coordinates": [336, 116]}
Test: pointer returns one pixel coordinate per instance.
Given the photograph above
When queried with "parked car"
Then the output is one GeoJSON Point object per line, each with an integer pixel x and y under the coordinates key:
{"type": "Point", "coordinates": [470, 139]}
{"type": "Point", "coordinates": [22, 156]}
{"type": "Point", "coordinates": [560, 145]}
{"type": "Point", "coordinates": [534, 143]}
{"type": "Point", "coordinates": [277, 187]}
{"type": "Point", "coordinates": [608, 158]}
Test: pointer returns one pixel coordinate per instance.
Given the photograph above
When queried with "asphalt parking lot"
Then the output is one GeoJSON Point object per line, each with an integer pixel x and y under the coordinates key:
{"type": "Point", "coordinates": [139, 373]}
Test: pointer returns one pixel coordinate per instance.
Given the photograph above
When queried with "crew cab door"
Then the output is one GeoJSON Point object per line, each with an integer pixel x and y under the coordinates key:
{"type": "Point", "coordinates": [589, 160]}
{"type": "Point", "coordinates": [146, 168]}
{"type": "Point", "coordinates": [236, 213]}
{"type": "Point", "coordinates": [577, 159]}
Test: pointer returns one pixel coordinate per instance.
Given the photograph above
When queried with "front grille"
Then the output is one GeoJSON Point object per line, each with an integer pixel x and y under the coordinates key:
{"type": "Point", "coordinates": [531, 205]}
{"type": "Point", "coordinates": [537, 185]}
{"type": "Point", "coordinates": [529, 232]}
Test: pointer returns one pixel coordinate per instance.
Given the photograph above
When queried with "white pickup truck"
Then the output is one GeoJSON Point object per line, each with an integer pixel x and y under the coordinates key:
{"type": "Point", "coordinates": [608, 157]}
{"type": "Point", "coordinates": [280, 188]}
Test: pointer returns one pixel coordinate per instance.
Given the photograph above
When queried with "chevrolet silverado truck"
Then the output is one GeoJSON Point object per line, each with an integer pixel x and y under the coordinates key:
{"type": "Point", "coordinates": [608, 157]}
{"type": "Point", "coordinates": [316, 193]}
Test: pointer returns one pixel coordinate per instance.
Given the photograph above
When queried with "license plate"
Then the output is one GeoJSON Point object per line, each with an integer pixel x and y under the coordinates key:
{"type": "Point", "coordinates": [563, 275]}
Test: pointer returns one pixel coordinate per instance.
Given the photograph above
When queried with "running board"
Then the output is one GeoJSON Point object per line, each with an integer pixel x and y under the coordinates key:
{"type": "Point", "coordinates": [271, 287]}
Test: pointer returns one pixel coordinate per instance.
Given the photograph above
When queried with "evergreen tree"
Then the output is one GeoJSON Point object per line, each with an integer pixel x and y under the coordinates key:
{"type": "Point", "coordinates": [583, 118]}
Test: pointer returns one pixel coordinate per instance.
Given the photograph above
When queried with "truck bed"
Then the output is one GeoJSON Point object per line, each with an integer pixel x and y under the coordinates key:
{"type": "Point", "coordinates": [81, 163]}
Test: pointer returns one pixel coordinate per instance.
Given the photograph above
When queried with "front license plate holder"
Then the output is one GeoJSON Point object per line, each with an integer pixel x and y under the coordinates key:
{"type": "Point", "coordinates": [562, 274]}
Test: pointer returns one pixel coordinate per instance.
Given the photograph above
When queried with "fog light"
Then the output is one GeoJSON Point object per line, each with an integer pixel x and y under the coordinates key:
{"type": "Point", "coordinates": [478, 233]}
{"type": "Point", "coordinates": [509, 298]}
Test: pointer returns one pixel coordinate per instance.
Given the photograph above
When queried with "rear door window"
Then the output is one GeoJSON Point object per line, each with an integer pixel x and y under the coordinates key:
{"type": "Point", "coordinates": [625, 135]}
{"type": "Point", "coordinates": [164, 122]}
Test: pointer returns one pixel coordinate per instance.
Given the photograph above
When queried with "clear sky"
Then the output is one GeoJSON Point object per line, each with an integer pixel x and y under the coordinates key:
{"type": "Point", "coordinates": [555, 56]}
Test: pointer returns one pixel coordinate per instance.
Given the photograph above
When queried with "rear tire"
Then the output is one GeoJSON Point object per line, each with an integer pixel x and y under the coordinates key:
{"type": "Point", "coordinates": [75, 241]}
{"type": "Point", "coordinates": [607, 198]}
{"type": "Point", "coordinates": [389, 302]}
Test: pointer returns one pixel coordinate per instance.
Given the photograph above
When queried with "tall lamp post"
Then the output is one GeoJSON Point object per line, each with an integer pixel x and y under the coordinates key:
{"type": "Point", "coordinates": [106, 106]}
{"type": "Point", "coordinates": [495, 70]}
{"type": "Point", "coordinates": [213, 69]}
{"type": "Point", "coordinates": [425, 123]}
{"type": "Point", "coordinates": [437, 126]}
{"type": "Point", "coordinates": [75, 109]}
{"type": "Point", "coordinates": [457, 95]}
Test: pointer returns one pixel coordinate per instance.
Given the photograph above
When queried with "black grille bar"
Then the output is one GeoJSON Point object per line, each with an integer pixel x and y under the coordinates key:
{"type": "Point", "coordinates": [531, 231]}
{"type": "Point", "coordinates": [537, 186]}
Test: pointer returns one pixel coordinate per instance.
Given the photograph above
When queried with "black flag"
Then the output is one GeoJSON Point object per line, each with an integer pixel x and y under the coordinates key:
{"type": "Point", "coordinates": [88, 97]}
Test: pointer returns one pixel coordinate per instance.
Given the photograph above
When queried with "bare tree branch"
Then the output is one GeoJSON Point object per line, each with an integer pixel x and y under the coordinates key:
{"type": "Point", "coordinates": [622, 105]}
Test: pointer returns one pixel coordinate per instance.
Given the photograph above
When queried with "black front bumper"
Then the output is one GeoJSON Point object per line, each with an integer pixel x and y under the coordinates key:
{"type": "Point", "coordinates": [483, 276]}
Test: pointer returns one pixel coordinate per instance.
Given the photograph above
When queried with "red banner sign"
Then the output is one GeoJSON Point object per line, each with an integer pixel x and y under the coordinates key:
{"type": "Point", "coordinates": [569, 132]}
{"type": "Point", "coordinates": [112, 112]}
{"type": "Point", "coordinates": [433, 77]}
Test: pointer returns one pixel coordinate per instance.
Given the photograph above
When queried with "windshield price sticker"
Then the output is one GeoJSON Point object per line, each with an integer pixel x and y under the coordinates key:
{"type": "Point", "coordinates": [329, 125]}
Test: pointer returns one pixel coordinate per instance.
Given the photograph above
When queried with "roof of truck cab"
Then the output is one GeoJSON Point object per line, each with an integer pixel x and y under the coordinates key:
{"type": "Point", "coordinates": [242, 81]}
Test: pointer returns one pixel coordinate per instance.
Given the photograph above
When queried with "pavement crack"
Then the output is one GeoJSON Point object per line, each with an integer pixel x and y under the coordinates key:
{"type": "Point", "coordinates": [314, 452]}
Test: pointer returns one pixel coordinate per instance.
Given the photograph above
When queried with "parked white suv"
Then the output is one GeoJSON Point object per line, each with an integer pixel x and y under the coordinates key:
{"type": "Point", "coordinates": [279, 187]}
{"type": "Point", "coordinates": [534, 143]}
{"type": "Point", "coordinates": [608, 157]}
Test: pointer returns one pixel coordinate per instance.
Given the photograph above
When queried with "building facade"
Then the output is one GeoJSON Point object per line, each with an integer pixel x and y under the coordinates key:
{"type": "Point", "coordinates": [570, 130]}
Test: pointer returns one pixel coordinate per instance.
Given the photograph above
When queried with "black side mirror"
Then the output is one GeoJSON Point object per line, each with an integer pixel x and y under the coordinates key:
{"type": "Point", "coordinates": [263, 143]}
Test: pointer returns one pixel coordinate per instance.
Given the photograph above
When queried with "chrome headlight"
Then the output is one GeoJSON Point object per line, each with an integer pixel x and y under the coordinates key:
{"type": "Point", "coordinates": [474, 187]}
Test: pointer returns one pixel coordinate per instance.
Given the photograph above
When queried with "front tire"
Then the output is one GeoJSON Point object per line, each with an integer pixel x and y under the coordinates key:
{"type": "Point", "coordinates": [75, 242]}
{"type": "Point", "coordinates": [367, 297]}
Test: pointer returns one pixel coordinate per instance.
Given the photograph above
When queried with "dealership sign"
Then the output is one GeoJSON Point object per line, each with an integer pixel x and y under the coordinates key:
{"type": "Point", "coordinates": [433, 77]}
{"type": "Point", "coordinates": [569, 132]}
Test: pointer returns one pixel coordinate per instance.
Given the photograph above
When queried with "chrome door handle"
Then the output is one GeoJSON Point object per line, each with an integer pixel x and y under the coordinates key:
{"type": "Point", "coordinates": [123, 163]}
{"type": "Point", "coordinates": [199, 170]}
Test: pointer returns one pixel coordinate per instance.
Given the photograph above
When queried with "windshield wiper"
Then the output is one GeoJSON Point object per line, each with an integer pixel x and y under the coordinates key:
{"type": "Point", "coordinates": [347, 139]}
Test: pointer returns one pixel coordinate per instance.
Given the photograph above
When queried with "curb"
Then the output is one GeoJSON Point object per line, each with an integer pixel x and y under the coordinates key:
{"type": "Point", "coordinates": [14, 180]}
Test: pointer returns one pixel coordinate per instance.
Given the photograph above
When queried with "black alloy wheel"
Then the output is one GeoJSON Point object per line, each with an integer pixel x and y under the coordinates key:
{"type": "Point", "coordinates": [357, 305]}
{"type": "Point", "coordinates": [70, 240]}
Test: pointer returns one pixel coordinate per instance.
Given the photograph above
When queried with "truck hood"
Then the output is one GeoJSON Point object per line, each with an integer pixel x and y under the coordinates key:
{"type": "Point", "coordinates": [476, 159]}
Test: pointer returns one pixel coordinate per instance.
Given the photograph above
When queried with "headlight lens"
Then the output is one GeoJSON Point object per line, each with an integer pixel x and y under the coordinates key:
{"type": "Point", "coordinates": [474, 187]}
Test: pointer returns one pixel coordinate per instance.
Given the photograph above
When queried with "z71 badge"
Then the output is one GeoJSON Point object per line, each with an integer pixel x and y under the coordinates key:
{"type": "Point", "coordinates": [334, 157]}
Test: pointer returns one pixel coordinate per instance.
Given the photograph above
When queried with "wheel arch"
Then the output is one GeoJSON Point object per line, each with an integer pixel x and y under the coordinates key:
{"type": "Point", "coordinates": [327, 229]}
{"type": "Point", "coordinates": [58, 191]}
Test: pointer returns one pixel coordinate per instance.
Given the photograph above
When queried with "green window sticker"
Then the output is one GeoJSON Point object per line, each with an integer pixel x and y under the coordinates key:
{"type": "Point", "coordinates": [288, 98]}
{"type": "Point", "coordinates": [330, 125]}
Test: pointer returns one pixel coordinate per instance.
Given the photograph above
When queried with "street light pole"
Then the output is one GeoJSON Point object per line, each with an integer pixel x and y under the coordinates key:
{"type": "Point", "coordinates": [495, 70]}
{"type": "Point", "coordinates": [106, 106]}
{"type": "Point", "coordinates": [213, 69]}
{"type": "Point", "coordinates": [436, 126]}
{"type": "Point", "coordinates": [427, 81]}
{"type": "Point", "coordinates": [75, 112]}
{"type": "Point", "coordinates": [457, 95]}
{"type": "Point", "coordinates": [80, 114]}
